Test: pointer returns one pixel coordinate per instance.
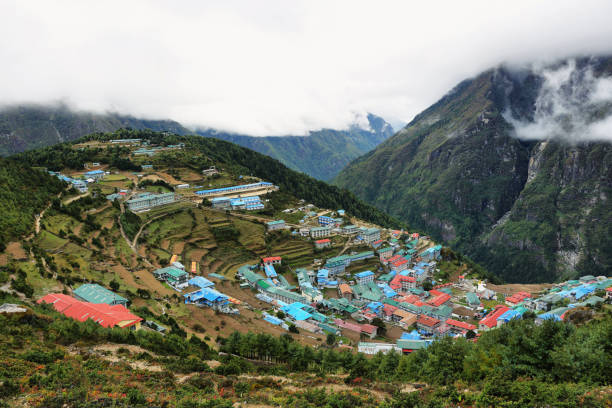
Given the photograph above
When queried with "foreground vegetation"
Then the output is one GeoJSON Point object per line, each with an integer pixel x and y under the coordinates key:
{"type": "Point", "coordinates": [53, 361]}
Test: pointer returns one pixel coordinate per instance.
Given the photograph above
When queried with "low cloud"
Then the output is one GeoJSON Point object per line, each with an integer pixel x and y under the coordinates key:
{"type": "Point", "coordinates": [572, 104]}
{"type": "Point", "coordinates": [274, 67]}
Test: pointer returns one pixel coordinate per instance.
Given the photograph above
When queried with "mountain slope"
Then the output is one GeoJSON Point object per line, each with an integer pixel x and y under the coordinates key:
{"type": "Point", "coordinates": [25, 192]}
{"type": "Point", "coordinates": [218, 152]}
{"type": "Point", "coordinates": [527, 210]}
{"type": "Point", "coordinates": [322, 154]}
{"type": "Point", "coordinates": [29, 127]}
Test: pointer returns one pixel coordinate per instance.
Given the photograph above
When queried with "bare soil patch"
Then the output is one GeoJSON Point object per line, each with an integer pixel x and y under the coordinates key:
{"type": "Point", "coordinates": [513, 288]}
{"type": "Point", "coordinates": [15, 250]}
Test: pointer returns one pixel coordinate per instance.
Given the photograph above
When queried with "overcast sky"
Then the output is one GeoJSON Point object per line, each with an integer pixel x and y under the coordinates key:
{"type": "Point", "coordinates": [276, 67]}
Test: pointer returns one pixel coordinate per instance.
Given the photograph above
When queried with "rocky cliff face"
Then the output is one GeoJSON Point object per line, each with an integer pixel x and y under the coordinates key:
{"type": "Point", "coordinates": [506, 170]}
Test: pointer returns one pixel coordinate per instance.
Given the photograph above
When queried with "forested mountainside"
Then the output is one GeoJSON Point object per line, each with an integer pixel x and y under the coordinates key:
{"type": "Point", "coordinates": [214, 152]}
{"type": "Point", "coordinates": [25, 192]}
{"type": "Point", "coordinates": [321, 154]}
{"type": "Point", "coordinates": [510, 167]}
{"type": "Point", "coordinates": [33, 126]}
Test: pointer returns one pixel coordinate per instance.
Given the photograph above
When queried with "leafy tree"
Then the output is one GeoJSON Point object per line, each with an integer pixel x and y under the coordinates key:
{"type": "Point", "coordinates": [114, 285]}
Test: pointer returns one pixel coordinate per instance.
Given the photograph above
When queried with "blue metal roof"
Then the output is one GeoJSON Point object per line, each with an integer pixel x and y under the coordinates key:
{"type": "Point", "coordinates": [582, 291]}
{"type": "Point", "coordinates": [274, 320]}
{"type": "Point", "coordinates": [208, 294]}
{"type": "Point", "coordinates": [270, 271]}
{"type": "Point", "coordinates": [413, 335]}
{"type": "Point", "coordinates": [238, 187]}
{"type": "Point", "coordinates": [91, 173]}
{"type": "Point", "coordinates": [510, 315]}
{"type": "Point", "coordinates": [323, 273]}
{"type": "Point", "coordinates": [390, 293]}
{"type": "Point", "coordinates": [201, 282]}
{"type": "Point", "coordinates": [549, 316]}
{"type": "Point", "coordinates": [364, 274]}
{"type": "Point", "coordinates": [296, 311]}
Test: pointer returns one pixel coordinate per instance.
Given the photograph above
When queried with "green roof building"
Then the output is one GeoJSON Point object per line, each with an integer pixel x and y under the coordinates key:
{"type": "Point", "coordinates": [408, 345]}
{"type": "Point", "coordinates": [174, 276]}
{"type": "Point", "coordinates": [94, 293]}
{"type": "Point", "coordinates": [472, 299]}
{"type": "Point", "coordinates": [284, 295]}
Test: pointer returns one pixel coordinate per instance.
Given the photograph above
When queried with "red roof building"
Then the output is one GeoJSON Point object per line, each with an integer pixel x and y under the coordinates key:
{"type": "Point", "coordinates": [439, 300]}
{"type": "Point", "coordinates": [347, 325]}
{"type": "Point", "coordinates": [459, 326]}
{"type": "Point", "coordinates": [369, 330]}
{"type": "Point", "coordinates": [517, 298]}
{"type": "Point", "coordinates": [323, 243]}
{"type": "Point", "coordinates": [389, 309]}
{"type": "Point", "coordinates": [402, 283]}
{"type": "Point", "coordinates": [393, 259]}
{"type": "Point", "coordinates": [400, 264]}
{"type": "Point", "coordinates": [490, 320]}
{"type": "Point", "coordinates": [410, 299]}
{"type": "Point", "coordinates": [103, 314]}
{"type": "Point", "coordinates": [271, 260]}
{"type": "Point", "coordinates": [427, 323]}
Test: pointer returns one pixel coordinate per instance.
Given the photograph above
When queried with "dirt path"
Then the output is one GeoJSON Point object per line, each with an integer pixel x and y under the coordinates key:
{"type": "Point", "coordinates": [7, 288]}
{"type": "Point", "coordinates": [108, 352]}
{"type": "Point", "coordinates": [98, 210]}
{"type": "Point", "coordinates": [78, 197]}
{"type": "Point", "coordinates": [142, 227]}
{"type": "Point", "coordinates": [124, 235]}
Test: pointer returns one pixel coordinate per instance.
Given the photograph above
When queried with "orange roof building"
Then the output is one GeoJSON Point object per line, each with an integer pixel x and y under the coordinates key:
{"type": "Point", "coordinates": [103, 314]}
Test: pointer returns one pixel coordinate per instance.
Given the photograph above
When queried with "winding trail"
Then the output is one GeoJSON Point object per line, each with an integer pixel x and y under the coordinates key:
{"type": "Point", "coordinates": [142, 227]}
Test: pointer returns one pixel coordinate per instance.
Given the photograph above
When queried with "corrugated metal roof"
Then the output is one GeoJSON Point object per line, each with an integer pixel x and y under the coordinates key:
{"type": "Point", "coordinates": [94, 293]}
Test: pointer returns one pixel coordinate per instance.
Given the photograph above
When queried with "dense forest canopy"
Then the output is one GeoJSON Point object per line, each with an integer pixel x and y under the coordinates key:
{"type": "Point", "coordinates": [25, 192]}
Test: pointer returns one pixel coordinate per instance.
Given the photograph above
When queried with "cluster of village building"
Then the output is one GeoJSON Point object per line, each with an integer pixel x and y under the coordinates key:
{"type": "Point", "coordinates": [393, 293]}
{"type": "Point", "coordinates": [81, 184]}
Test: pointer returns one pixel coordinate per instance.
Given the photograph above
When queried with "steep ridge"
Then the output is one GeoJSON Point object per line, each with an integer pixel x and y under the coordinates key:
{"type": "Point", "coordinates": [321, 154]}
{"type": "Point", "coordinates": [529, 210]}
{"type": "Point", "coordinates": [33, 126]}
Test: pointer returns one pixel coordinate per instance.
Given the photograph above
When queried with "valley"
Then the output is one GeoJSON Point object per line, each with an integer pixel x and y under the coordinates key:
{"type": "Point", "coordinates": [231, 280]}
{"type": "Point", "coordinates": [531, 210]}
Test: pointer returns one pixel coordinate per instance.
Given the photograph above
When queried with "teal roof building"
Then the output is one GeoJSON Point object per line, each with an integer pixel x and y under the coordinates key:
{"type": "Point", "coordinates": [94, 293]}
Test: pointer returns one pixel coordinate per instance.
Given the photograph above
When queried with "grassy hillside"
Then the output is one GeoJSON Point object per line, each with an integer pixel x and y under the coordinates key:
{"type": "Point", "coordinates": [321, 154]}
{"type": "Point", "coordinates": [32, 126]}
{"type": "Point", "coordinates": [527, 211]}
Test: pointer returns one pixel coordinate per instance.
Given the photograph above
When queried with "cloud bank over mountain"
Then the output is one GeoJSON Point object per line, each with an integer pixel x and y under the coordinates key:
{"type": "Point", "coordinates": [573, 104]}
{"type": "Point", "coordinates": [306, 65]}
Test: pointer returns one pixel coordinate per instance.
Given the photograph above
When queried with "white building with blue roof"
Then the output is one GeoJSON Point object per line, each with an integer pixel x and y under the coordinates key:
{"type": "Point", "coordinates": [364, 277]}
{"type": "Point", "coordinates": [94, 174]}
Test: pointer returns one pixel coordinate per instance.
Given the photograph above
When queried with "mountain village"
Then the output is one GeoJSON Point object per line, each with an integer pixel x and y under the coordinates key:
{"type": "Point", "coordinates": [373, 289]}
